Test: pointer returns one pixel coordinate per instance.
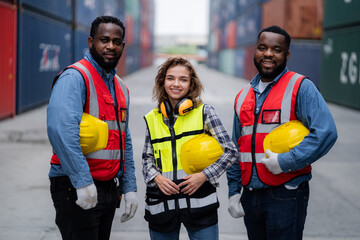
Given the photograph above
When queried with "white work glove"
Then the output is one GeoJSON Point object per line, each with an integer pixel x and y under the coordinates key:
{"type": "Point", "coordinates": [235, 209]}
{"type": "Point", "coordinates": [131, 205]}
{"type": "Point", "coordinates": [272, 163]}
{"type": "Point", "coordinates": [87, 196]}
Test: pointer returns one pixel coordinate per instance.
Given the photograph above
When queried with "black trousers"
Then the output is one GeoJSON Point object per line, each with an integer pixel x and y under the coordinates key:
{"type": "Point", "coordinates": [76, 223]}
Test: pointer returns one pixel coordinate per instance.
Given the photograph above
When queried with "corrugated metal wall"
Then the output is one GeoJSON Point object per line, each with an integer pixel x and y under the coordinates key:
{"type": "Point", "coordinates": [340, 70]}
{"type": "Point", "coordinates": [8, 59]}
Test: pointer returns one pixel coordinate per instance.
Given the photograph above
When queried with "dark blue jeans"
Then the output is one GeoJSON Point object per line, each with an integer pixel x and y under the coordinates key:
{"type": "Point", "coordinates": [76, 223]}
{"type": "Point", "coordinates": [276, 212]}
{"type": "Point", "coordinates": [210, 233]}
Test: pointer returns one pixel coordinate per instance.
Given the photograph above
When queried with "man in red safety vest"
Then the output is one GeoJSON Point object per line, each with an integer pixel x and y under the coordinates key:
{"type": "Point", "coordinates": [275, 186]}
{"type": "Point", "coordinates": [88, 181]}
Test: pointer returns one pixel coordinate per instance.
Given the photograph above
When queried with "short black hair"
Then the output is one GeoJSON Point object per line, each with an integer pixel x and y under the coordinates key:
{"type": "Point", "coordinates": [279, 30]}
{"type": "Point", "coordinates": [105, 19]}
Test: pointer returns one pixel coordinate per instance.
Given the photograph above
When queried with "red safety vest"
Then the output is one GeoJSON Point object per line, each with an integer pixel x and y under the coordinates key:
{"type": "Point", "coordinates": [278, 108]}
{"type": "Point", "coordinates": [104, 164]}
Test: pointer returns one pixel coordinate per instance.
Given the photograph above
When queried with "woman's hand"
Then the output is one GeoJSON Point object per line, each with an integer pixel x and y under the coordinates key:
{"type": "Point", "coordinates": [166, 186]}
{"type": "Point", "coordinates": [192, 183]}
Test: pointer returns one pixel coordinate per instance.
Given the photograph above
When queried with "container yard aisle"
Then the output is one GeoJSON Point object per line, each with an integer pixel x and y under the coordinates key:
{"type": "Point", "coordinates": [26, 210]}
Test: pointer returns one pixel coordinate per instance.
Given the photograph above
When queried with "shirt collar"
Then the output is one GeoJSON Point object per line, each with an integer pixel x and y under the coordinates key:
{"type": "Point", "coordinates": [99, 69]}
{"type": "Point", "coordinates": [255, 81]}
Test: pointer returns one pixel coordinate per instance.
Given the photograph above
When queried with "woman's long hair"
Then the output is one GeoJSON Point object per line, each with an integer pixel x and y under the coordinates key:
{"type": "Point", "coordinates": [159, 93]}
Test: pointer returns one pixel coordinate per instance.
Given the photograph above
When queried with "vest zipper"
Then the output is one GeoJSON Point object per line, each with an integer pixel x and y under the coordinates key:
{"type": "Point", "coordinates": [116, 104]}
{"type": "Point", "coordinates": [174, 159]}
{"type": "Point", "coordinates": [122, 166]}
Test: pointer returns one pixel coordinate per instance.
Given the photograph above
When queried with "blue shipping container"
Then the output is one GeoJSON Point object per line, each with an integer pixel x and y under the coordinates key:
{"type": "Point", "coordinates": [248, 26]}
{"type": "Point", "coordinates": [114, 8]}
{"type": "Point", "coordinates": [86, 11]}
{"type": "Point", "coordinates": [212, 60]}
{"type": "Point", "coordinates": [81, 46]}
{"type": "Point", "coordinates": [44, 49]}
{"type": "Point", "coordinates": [59, 8]}
{"type": "Point", "coordinates": [240, 62]}
{"type": "Point", "coordinates": [305, 58]}
{"type": "Point", "coordinates": [243, 5]}
{"type": "Point", "coordinates": [132, 61]}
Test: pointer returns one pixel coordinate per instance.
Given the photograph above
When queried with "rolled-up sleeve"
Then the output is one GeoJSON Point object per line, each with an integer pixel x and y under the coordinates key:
{"type": "Point", "coordinates": [64, 114]}
{"type": "Point", "coordinates": [214, 126]}
{"type": "Point", "coordinates": [314, 113]}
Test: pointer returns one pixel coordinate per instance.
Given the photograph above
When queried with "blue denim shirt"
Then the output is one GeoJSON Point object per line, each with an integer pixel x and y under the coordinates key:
{"type": "Point", "coordinates": [64, 114]}
{"type": "Point", "coordinates": [312, 111]}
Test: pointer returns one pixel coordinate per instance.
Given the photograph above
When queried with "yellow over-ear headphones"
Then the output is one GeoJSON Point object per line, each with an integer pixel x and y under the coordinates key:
{"type": "Point", "coordinates": [181, 108]}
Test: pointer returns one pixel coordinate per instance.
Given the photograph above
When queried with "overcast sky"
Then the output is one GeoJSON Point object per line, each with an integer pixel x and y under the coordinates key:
{"type": "Point", "coordinates": [181, 17]}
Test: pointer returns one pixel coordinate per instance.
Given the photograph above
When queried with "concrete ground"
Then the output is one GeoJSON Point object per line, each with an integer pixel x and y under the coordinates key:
{"type": "Point", "coordinates": [26, 211]}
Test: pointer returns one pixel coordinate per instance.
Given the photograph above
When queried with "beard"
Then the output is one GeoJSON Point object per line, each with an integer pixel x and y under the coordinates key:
{"type": "Point", "coordinates": [274, 73]}
{"type": "Point", "coordinates": [101, 61]}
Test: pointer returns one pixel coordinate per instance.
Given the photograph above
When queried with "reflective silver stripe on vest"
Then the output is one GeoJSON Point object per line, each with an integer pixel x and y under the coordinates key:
{"type": "Point", "coordinates": [94, 106]}
{"type": "Point", "coordinates": [246, 157]}
{"type": "Point", "coordinates": [124, 90]}
{"type": "Point", "coordinates": [265, 128]}
{"type": "Point", "coordinates": [286, 101]}
{"type": "Point", "coordinates": [194, 202]}
{"type": "Point", "coordinates": [155, 209]}
{"type": "Point", "coordinates": [180, 174]}
{"type": "Point", "coordinates": [202, 202]}
{"type": "Point", "coordinates": [105, 154]}
{"type": "Point", "coordinates": [242, 98]}
{"type": "Point", "coordinates": [112, 125]}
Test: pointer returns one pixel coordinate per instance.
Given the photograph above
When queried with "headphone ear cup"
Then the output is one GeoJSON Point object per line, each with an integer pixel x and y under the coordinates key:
{"type": "Point", "coordinates": [166, 109]}
{"type": "Point", "coordinates": [184, 106]}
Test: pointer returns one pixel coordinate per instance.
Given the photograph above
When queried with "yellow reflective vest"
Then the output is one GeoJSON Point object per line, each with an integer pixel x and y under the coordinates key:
{"type": "Point", "coordinates": [167, 141]}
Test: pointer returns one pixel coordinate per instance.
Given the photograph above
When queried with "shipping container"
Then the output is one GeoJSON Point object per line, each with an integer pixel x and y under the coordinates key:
{"type": "Point", "coordinates": [114, 8]}
{"type": "Point", "coordinates": [341, 13]}
{"type": "Point", "coordinates": [249, 68]}
{"type": "Point", "coordinates": [305, 58]}
{"type": "Point", "coordinates": [248, 26]}
{"type": "Point", "coordinates": [227, 11]}
{"type": "Point", "coordinates": [8, 14]}
{"type": "Point", "coordinates": [227, 61]}
{"type": "Point", "coordinates": [133, 8]}
{"type": "Point", "coordinates": [44, 49]}
{"type": "Point", "coordinates": [340, 68]}
{"type": "Point", "coordinates": [61, 9]}
{"type": "Point", "coordinates": [121, 66]}
{"type": "Point", "coordinates": [240, 62]}
{"type": "Point", "coordinates": [230, 34]}
{"type": "Point", "coordinates": [300, 18]}
{"type": "Point", "coordinates": [86, 11]}
{"type": "Point", "coordinates": [213, 60]}
{"type": "Point", "coordinates": [243, 6]}
{"type": "Point", "coordinates": [80, 45]}
{"type": "Point", "coordinates": [146, 58]}
{"type": "Point", "coordinates": [132, 60]}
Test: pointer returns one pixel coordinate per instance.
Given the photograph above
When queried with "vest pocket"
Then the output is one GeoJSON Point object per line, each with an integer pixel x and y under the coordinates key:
{"type": "Point", "coordinates": [203, 202]}
{"type": "Point", "coordinates": [157, 209]}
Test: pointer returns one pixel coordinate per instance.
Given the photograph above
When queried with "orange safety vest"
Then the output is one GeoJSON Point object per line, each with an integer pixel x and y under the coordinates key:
{"type": "Point", "coordinates": [104, 164]}
{"type": "Point", "coordinates": [278, 108]}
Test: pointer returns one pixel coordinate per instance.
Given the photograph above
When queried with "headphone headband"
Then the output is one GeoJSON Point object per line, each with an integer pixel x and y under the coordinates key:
{"type": "Point", "coordinates": [183, 107]}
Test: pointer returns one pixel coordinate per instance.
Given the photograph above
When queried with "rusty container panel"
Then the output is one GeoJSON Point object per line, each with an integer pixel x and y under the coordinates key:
{"type": "Point", "coordinates": [249, 68]}
{"type": "Point", "coordinates": [302, 19]}
{"type": "Point", "coordinates": [8, 14]}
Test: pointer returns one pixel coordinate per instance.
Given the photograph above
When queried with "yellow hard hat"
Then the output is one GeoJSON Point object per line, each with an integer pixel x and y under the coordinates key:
{"type": "Point", "coordinates": [93, 134]}
{"type": "Point", "coordinates": [285, 137]}
{"type": "Point", "coordinates": [199, 152]}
